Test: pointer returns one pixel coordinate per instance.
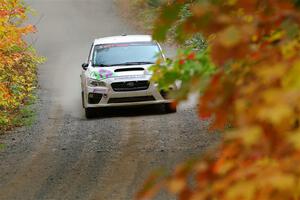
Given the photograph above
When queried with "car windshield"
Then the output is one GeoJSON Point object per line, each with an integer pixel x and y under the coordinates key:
{"type": "Point", "coordinates": [126, 54]}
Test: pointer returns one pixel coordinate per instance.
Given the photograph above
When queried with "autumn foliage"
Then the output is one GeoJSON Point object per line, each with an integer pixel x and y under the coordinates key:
{"type": "Point", "coordinates": [17, 62]}
{"type": "Point", "coordinates": [253, 87]}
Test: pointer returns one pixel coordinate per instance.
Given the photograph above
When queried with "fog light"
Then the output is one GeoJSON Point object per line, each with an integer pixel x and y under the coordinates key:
{"type": "Point", "coordinates": [94, 98]}
{"type": "Point", "coordinates": [91, 95]}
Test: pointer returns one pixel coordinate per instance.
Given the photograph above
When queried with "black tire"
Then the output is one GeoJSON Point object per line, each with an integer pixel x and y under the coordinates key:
{"type": "Point", "coordinates": [82, 99]}
{"type": "Point", "coordinates": [89, 113]}
{"type": "Point", "coordinates": [169, 108]}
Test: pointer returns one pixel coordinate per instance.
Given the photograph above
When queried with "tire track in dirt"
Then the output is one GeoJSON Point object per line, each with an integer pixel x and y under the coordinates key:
{"type": "Point", "coordinates": [32, 172]}
{"type": "Point", "coordinates": [120, 168]}
{"type": "Point", "coordinates": [82, 176]}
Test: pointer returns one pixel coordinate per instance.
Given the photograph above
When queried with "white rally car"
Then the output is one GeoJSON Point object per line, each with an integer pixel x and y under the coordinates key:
{"type": "Point", "coordinates": [117, 74]}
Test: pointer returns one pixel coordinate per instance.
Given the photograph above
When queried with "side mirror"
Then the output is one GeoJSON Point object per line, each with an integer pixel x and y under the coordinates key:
{"type": "Point", "coordinates": [84, 66]}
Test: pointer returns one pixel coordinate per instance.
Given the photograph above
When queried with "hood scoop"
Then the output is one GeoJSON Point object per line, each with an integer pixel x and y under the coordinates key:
{"type": "Point", "coordinates": [130, 69]}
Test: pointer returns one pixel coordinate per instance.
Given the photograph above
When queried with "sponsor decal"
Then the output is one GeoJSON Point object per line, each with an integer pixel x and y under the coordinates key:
{"type": "Point", "coordinates": [102, 74]}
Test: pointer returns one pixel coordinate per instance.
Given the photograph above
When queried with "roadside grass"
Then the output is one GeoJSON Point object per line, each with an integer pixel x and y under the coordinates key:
{"type": "Point", "coordinates": [24, 116]}
{"type": "Point", "coordinates": [27, 114]}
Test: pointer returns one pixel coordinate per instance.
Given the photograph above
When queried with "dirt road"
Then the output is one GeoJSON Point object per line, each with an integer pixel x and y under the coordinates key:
{"type": "Point", "coordinates": [65, 156]}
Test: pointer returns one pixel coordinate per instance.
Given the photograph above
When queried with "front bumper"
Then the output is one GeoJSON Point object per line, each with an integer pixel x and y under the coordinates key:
{"type": "Point", "coordinates": [111, 98]}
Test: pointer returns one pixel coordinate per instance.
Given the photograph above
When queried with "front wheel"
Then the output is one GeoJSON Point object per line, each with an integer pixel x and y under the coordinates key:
{"type": "Point", "coordinates": [82, 99]}
{"type": "Point", "coordinates": [89, 113]}
{"type": "Point", "coordinates": [170, 108]}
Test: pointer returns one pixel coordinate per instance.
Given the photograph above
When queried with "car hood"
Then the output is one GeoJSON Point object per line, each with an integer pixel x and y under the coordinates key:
{"type": "Point", "coordinates": [101, 73]}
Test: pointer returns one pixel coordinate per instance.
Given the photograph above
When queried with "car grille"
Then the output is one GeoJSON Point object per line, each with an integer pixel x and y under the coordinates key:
{"type": "Point", "coordinates": [130, 86]}
{"type": "Point", "coordinates": [131, 99]}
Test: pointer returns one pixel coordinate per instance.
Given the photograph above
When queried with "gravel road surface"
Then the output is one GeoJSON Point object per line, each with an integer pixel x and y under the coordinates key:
{"type": "Point", "coordinates": [63, 155]}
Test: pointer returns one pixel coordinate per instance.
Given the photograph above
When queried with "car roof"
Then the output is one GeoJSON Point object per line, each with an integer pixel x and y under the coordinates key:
{"type": "Point", "coordinates": [123, 39]}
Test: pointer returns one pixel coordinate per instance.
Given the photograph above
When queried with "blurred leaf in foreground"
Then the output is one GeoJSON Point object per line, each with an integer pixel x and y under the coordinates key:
{"type": "Point", "coordinates": [248, 77]}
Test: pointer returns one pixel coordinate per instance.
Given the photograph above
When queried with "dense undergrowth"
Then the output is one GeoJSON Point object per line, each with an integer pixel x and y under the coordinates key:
{"type": "Point", "coordinates": [18, 63]}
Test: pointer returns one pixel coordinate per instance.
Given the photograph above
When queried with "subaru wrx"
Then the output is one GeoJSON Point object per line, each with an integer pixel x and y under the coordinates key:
{"type": "Point", "coordinates": [117, 74]}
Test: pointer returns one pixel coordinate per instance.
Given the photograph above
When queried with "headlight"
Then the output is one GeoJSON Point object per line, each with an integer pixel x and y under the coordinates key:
{"type": "Point", "coordinates": [96, 83]}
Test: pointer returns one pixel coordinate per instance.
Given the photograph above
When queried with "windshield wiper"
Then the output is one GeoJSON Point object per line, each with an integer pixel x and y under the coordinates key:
{"type": "Point", "coordinates": [137, 63]}
{"type": "Point", "coordinates": [100, 65]}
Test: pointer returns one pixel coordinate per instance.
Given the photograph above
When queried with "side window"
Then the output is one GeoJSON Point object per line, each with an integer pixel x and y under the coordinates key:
{"type": "Point", "coordinates": [90, 54]}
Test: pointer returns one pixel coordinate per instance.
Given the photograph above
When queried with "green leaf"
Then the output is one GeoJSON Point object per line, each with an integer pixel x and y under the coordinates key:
{"type": "Point", "coordinates": [167, 18]}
